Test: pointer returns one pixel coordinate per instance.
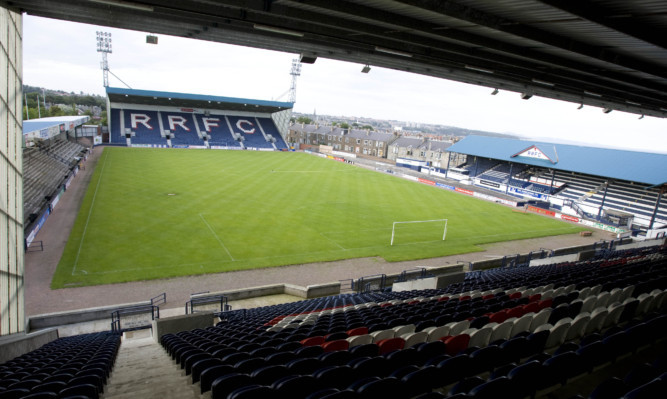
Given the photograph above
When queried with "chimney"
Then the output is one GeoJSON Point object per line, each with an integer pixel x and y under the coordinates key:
{"type": "Point", "coordinates": [368, 132]}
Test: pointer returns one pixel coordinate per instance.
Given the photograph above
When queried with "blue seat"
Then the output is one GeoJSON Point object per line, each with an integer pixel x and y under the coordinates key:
{"type": "Point", "coordinates": [465, 385]}
{"type": "Point", "coordinates": [223, 386]}
{"type": "Point", "coordinates": [421, 380]}
{"type": "Point", "coordinates": [454, 369]}
{"type": "Point", "coordinates": [210, 374]}
{"type": "Point", "coordinates": [501, 387]}
{"type": "Point", "coordinates": [525, 377]}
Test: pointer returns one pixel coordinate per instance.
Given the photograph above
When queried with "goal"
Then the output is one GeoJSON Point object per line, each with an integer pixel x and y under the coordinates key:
{"type": "Point", "coordinates": [421, 232]}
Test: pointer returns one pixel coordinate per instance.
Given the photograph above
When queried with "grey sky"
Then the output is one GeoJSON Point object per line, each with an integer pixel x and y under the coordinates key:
{"type": "Point", "coordinates": [62, 55]}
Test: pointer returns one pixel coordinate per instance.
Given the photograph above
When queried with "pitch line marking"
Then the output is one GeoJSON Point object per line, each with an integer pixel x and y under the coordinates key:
{"type": "Point", "coordinates": [216, 237]}
{"type": "Point", "coordinates": [334, 242]}
{"type": "Point", "coordinates": [90, 212]}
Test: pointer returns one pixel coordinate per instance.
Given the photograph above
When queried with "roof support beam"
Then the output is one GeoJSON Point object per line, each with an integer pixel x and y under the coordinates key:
{"type": "Point", "coordinates": [458, 11]}
{"type": "Point", "coordinates": [620, 22]}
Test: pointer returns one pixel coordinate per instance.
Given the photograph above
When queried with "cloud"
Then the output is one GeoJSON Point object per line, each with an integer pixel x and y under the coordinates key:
{"type": "Point", "coordinates": [62, 55]}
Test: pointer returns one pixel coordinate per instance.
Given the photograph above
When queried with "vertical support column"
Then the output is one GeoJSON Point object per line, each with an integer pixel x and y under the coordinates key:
{"type": "Point", "coordinates": [655, 209]}
{"type": "Point", "coordinates": [604, 197]}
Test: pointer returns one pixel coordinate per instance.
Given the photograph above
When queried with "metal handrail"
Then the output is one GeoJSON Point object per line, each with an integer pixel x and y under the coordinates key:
{"type": "Point", "coordinates": [190, 305]}
{"type": "Point", "coordinates": [159, 300]}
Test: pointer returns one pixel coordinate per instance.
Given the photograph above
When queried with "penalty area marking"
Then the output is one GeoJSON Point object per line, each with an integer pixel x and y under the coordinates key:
{"type": "Point", "coordinates": [217, 238]}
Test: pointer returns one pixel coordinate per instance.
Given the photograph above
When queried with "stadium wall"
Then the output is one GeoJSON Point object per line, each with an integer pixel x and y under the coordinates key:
{"type": "Point", "coordinates": [12, 317]}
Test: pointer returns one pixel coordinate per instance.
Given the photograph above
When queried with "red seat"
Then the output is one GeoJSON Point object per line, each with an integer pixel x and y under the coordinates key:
{"type": "Point", "coordinates": [546, 303]}
{"type": "Point", "coordinates": [533, 307]}
{"type": "Point", "coordinates": [534, 297]}
{"type": "Point", "coordinates": [515, 295]}
{"type": "Point", "coordinates": [357, 331]}
{"type": "Point", "coordinates": [498, 317]}
{"type": "Point", "coordinates": [515, 312]}
{"type": "Point", "coordinates": [390, 345]}
{"type": "Point", "coordinates": [456, 344]}
{"type": "Point", "coordinates": [337, 345]}
{"type": "Point", "coordinates": [312, 341]}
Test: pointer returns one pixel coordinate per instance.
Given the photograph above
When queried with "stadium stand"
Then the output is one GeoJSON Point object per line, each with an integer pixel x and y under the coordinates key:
{"type": "Point", "coordinates": [77, 366]}
{"type": "Point", "coordinates": [182, 128]}
{"type": "Point", "coordinates": [215, 126]}
{"type": "Point", "coordinates": [516, 330]}
{"type": "Point", "coordinates": [188, 129]}
{"type": "Point", "coordinates": [45, 167]}
{"type": "Point", "coordinates": [250, 130]}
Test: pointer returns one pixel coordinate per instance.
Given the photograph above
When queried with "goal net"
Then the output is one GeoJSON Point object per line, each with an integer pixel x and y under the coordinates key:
{"type": "Point", "coordinates": [414, 231]}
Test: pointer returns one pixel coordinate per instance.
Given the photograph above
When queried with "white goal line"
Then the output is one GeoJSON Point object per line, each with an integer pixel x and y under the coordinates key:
{"type": "Point", "coordinates": [393, 227]}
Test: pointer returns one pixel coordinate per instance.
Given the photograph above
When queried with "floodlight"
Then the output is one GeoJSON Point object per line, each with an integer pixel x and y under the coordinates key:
{"type": "Point", "coordinates": [580, 106]}
{"type": "Point", "coordinates": [151, 39]}
{"type": "Point", "coordinates": [526, 96]}
{"type": "Point", "coordinates": [607, 110]}
{"type": "Point", "coordinates": [366, 69]}
{"type": "Point", "coordinates": [641, 117]}
{"type": "Point", "coordinates": [494, 92]}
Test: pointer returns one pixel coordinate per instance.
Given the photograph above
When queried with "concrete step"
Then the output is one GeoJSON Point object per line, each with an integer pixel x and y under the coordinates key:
{"type": "Point", "coordinates": [143, 369]}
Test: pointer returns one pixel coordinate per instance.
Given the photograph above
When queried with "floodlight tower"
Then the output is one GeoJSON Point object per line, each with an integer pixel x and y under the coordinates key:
{"type": "Point", "coordinates": [296, 71]}
{"type": "Point", "coordinates": [104, 47]}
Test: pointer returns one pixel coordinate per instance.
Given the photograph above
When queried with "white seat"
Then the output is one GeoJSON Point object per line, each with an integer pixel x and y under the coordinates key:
{"type": "Point", "coordinates": [438, 332]}
{"type": "Point", "coordinates": [522, 324]}
{"type": "Point", "coordinates": [598, 316]}
{"type": "Point", "coordinates": [615, 296]}
{"type": "Point", "coordinates": [578, 327]}
{"type": "Point", "coordinates": [480, 337]}
{"type": "Point", "coordinates": [357, 340]}
{"type": "Point", "coordinates": [603, 299]}
{"type": "Point", "coordinates": [589, 303]}
{"type": "Point", "coordinates": [614, 314]}
{"type": "Point", "coordinates": [584, 292]}
{"type": "Point", "coordinates": [382, 334]}
{"type": "Point", "coordinates": [645, 301]}
{"type": "Point", "coordinates": [414, 338]}
{"type": "Point", "coordinates": [458, 327]}
{"type": "Point", "coordinates": [542, 327]}
{"type": "Point", "coordinates": [595, 289]}
{"type": "Point", "coordinates": [547, 294]}
{"type": "Point", "coordinates": [401, 330]}
{"type": "Point", "coordinates": [540, 318]}
{"type": "Point", "coordinates": [557, 335]}
{"type": "Point", "coordinates": [627, 292]}
{"type": "Point", "coordinates": [563, 321]}
{"type": "Point", "coordinates": [501, 331]}
{"type": "Point", "coordinates": [660, 300]}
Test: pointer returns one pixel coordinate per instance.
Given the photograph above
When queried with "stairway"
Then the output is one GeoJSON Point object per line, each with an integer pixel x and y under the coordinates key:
{"type": "Point", "coordinates": [144, 370]}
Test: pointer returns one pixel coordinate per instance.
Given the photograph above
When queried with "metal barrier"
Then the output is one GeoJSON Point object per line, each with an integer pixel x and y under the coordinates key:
{"type": "Point", "coordinates": [376, 282]}
{"type": "Point", "coordinates": [346, 285]}
{"type": "Point", "coordinates": [35, 246]}
{"type": "Point", "coordinates": [159, 300]}
{"type": "Point", "coordinates": [133, 318]}
{"type": "Point", "coordinates": [207, 300]}
{"type": "Point", "coordinates": [414, 274]}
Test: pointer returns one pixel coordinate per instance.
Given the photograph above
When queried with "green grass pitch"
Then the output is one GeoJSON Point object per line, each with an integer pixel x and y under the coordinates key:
{"type": "Point", "coordinates": [156, 213]}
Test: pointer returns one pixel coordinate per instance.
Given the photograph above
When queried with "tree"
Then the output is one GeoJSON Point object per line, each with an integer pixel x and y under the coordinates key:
{"type": "Point", "coordinates": [369, 127]}
{"type": "Point", "coordinates": [304, 119]}
{"type": "Point", "coordinates": [344, 125]}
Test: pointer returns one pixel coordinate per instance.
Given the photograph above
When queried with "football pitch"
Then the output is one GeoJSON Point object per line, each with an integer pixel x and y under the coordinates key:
{"type": "Point", "coordinates": [158, 213]}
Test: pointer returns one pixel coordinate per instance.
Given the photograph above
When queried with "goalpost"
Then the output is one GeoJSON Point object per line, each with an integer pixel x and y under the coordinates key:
{"type": "Point", "coordinates": [393, 227]}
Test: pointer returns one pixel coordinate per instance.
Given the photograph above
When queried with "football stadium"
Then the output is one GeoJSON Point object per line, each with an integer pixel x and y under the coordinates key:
{"type": "Point", "coordinates": [204, 246]}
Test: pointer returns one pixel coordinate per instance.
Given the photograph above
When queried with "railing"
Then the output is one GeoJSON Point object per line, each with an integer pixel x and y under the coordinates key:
{"type": "Point", "coordinates": [35, 246]}
{"type": "Point", "coordinates": [207, 300]}
{"type": "Point", "coordinates": [159, 300]}
{"type": "Point", "coordinates": [376, 282]}
{"type": "Point", "coordinates": [130, 318]}
{"type": "Point", "coordinates": [346, 285]}
{"type": "Point", "coordinates": [414, 274]}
